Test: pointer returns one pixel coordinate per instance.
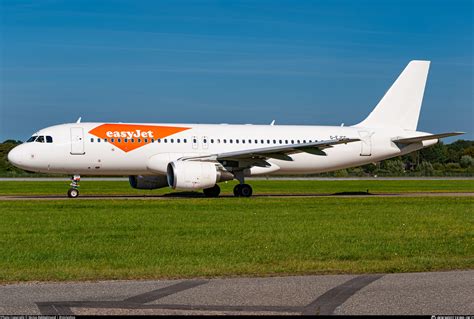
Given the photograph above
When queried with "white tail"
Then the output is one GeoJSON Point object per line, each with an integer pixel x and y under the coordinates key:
{"type": "Point", "coordinates": [400, 106]}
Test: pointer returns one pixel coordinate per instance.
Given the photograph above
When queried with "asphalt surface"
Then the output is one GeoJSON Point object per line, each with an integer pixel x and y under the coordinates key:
{"type": "Point", "coordinates": [200, 195]}
{"type": "Point", "coordinates": [432, 293]}
{"type": "Point", "coordinates": [283, 178]}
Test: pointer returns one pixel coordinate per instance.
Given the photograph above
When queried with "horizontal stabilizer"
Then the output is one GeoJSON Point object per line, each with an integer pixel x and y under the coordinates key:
{"type": "Point", "coordinates": [416, 139]}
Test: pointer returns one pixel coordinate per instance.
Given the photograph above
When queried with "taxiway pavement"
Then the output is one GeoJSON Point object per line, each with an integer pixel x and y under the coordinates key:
{"type": "Point", "coordinates": [428, 293]}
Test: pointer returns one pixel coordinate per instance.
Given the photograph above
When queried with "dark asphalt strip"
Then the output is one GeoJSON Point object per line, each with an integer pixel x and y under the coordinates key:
{"type": "Point", "coordinates": [326, 304]}
{"type": "Point", "coordinates": [329, 301]}
{"type": "Point", "coordinates": [163, 292]}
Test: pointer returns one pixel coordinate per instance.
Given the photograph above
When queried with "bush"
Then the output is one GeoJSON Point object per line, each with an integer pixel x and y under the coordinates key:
{"type": "Point", "coordinates": [396, 167]}
{"type": "Point", "coordinates": [466, 161]}
{"type": "Point", "coordinates": [357, 172]}
{"type": "Point", "coordinates": [425, 168]}
{"type": "Point", "coordinates": [341, 173]}
{"type": "Point", "coordinates": [453, 166]}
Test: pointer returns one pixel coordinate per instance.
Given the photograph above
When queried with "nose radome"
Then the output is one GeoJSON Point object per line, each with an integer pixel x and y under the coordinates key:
{"type": "Point", "coordinates": [15, 156]}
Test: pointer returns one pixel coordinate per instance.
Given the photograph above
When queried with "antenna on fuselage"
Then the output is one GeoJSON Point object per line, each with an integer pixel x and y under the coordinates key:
{"type": "Point", "coordinates": [79, 120]}
{"type": "Point", "coordinates": [272, 123]}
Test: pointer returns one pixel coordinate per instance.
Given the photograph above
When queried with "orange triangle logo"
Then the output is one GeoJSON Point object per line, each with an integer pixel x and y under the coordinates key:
{"type": "Point", "coordinates": [129, 137]}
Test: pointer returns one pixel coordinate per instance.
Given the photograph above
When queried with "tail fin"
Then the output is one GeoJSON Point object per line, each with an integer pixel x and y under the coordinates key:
{"type": "Point", "coordinates": [400, 106]}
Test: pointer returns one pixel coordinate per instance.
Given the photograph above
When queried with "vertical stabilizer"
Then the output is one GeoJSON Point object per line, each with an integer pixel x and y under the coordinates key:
{"type": "Point", "coordinates": [400, 106]}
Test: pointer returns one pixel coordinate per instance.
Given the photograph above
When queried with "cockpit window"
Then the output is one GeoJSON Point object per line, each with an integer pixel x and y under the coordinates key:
{"type": "Point", "coordinates": [49, 139]}
{"type": "Point", "coordinates": [32, 139]}
{"type": "Point", "coordinates": [40, 139]}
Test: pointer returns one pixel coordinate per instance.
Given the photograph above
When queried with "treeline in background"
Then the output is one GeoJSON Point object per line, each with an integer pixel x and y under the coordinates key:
{"type": "Point", "coordinates": [455, 159]}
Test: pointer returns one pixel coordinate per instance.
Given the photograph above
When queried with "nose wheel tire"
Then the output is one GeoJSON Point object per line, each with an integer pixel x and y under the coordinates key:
{"type": "Point", "coordinates": [242, 190]}
{"type": "Point", "coordinates": [72, 193]}
{"type": "Point", "coordinates": [214, 191]}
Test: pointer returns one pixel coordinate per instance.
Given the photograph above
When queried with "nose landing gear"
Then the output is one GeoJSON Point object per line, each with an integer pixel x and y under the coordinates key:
{"type": "Point", "coordinates": [73, 192]}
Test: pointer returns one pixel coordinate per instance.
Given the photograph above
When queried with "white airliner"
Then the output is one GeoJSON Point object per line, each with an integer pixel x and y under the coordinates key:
{"type": "Point", "coordinates": [196, 156]}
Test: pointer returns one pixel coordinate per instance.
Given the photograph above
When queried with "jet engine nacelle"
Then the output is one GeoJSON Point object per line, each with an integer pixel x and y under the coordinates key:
{"type": "Point", "coordinates": [148, 182]}
{"type": "Point", "coordinates": [191, 175]}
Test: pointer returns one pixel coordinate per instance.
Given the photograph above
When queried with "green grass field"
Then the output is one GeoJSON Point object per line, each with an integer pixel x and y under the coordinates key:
{"type": "Point", "coordinates": [259, 186]}
{"type": "Point", "coordinates": [195, 237]}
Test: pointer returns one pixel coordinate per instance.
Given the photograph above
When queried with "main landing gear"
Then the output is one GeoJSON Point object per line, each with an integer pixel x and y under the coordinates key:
{"type": "Point", "coordinates": [73, 192]}
{"type": "Point", "coordinates": [242, 189]}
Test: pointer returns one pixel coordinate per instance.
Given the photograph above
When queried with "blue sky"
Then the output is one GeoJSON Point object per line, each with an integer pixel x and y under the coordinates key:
{"type": "Point", "coordinates": [296, 62]}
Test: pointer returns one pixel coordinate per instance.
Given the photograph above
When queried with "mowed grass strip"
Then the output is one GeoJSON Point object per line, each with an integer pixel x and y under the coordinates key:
{"type": "Point", "coordinates": [259, 186]}
{"type": "Point", "coordinates": [179, 238]}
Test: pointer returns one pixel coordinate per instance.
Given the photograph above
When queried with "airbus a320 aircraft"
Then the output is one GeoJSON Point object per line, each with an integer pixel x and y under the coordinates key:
{"type": "Point", "coordinates": [196, 156]}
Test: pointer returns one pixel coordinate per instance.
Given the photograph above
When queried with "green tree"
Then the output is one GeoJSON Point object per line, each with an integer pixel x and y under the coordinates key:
{"type": "Point", "coordinates": [395, 167]}
{"type": "Point", "coordinates": [469, 151]}
{"type": "Point", "coordinates": [437, 153]}
{"type": "Point", "coordinates": [425, 168]}
{"type": "Point", "coordinates": [466, 161]}
{"type": "Point", "coordinates": [456, 150]}
{"type": "Point", "coordinates": [5, 167]}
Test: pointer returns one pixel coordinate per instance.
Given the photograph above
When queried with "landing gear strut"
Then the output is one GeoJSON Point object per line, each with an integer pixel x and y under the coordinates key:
{"type": "Point", "coordinates": [73, 192]}
{"type": "Point", "coordinates": [242, 189]}
{"type": "Point", "coordinates": [214, 191]}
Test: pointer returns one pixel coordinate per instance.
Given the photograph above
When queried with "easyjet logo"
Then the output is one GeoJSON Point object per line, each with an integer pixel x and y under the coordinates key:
{"type": "Point", "coordinates": [137, 133]}
{"type": "Point", "coordinates": [128, 137]}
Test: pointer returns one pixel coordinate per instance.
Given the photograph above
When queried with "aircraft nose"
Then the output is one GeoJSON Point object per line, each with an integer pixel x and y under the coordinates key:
{"type": "Point", "coordinates": [15, 156]}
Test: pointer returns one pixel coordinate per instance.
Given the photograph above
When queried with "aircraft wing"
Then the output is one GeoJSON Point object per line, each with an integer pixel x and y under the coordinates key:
{"type": "Point", "coordinates": [415, 139]}
{"type": "Point", "coordinates": [280, 152]}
